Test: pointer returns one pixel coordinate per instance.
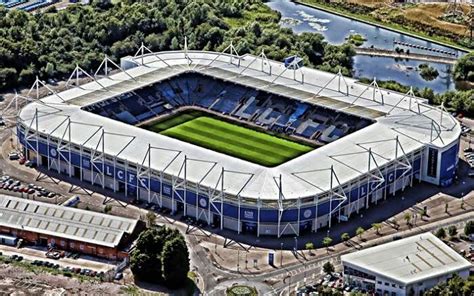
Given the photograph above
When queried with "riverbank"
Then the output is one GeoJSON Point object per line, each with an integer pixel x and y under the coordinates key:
{"type": "Point", "coordinates": [388, 26]}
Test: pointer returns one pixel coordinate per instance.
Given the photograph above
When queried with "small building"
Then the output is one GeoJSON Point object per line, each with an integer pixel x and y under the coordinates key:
{"type": "Point", "coordinates": [408, 266]}
{"type": "Point", "coordinates": [67, 228]}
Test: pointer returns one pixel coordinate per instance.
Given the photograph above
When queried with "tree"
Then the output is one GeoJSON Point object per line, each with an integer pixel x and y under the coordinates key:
{"type": "Point", "coordinates": [377, 227]}
{"type": "Point", "coordinates": [150, 219]}
{"type": "Point", "coordinates": [327, 241]}
{"type": "Point", "coordinates": [49, 70]}
{"type": "Point", "coordinates": [328, 268]}
{"type": "Point", "coordinates": [174, 43]}
{"type": "Point", "coordinates": [160, 256]}
{"type": "Point", "coordinates": [146, 267]}
{"type": "Point", "coordinates": [452, 231]}
{"type": "Point", "coordinates": [360, 231]}
{"type": "Point", "coordinates": [464, 68]}
{"type": "Point", "coordinates": [454, 286]}
{"type": "Point", "coordinates": [441, 233]}
{"type": "Point", "coordinates": [175, 262]}
{"type": "Point", "coordinates": [407, 218]}
{"type": "Point", "coordinates": [345, 237]}
{"type": "Point", "coordinates": [309, 246]}
{"type": "Point", "coordinates": [469, 227]}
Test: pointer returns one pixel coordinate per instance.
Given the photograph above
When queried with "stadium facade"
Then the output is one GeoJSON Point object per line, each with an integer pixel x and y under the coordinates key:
{"type": "Point", "coordinates": [90, 132]}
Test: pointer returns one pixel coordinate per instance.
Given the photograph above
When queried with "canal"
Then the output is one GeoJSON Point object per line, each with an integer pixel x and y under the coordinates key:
{"type": "Point", "coordinates": [336, 29]}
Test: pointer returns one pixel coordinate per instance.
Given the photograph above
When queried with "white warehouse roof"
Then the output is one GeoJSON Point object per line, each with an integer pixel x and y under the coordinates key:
{"type": "Point", "coordinates": [60, 221]}
{"type": "Point", "coordinates": [410, 119]}
{"type": "Point", "coordinates": [408, 260]}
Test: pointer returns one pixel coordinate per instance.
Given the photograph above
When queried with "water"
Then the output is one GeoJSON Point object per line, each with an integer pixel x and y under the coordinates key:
{"type": "Point", "coordinates": [336, 28]}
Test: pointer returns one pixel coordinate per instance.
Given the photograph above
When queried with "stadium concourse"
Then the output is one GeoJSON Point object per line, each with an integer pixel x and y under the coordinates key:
{"type": "Point", "coordinates": [370, 142]}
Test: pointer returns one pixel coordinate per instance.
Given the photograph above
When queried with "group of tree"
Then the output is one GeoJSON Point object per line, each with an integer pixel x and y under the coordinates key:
{"type": "Point", "coordinates": [428, 72]}
{"type": "Point", "coordinates": [456, 286]}
{"type": "Point", "coordinates": [50, 44]}
{"type": "Point", "coordinates": [161, 256]}
{"type": "Point", "coordinates": [464, 69]}
{"type": "Point", "coordinates": [453, 231]}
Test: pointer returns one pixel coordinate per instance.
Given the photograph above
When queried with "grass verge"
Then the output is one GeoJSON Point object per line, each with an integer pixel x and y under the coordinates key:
{"type": "Point", "coordinates": [390, 26]}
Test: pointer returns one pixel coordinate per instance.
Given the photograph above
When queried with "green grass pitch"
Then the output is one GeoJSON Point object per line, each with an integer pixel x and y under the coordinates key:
{"type": "Point", "coordinates": [231, 139]}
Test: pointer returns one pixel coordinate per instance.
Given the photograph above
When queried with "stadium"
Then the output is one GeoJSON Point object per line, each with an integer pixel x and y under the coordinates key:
{"type": "Point", "coordinates": [240, 142]}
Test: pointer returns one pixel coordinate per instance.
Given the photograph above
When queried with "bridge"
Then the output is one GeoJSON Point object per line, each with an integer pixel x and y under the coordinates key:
{"type": "Point", "coordinates": [403, 55]}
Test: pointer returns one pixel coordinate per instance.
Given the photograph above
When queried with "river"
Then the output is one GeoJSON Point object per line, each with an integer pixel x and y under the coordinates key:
{"type": "Point", "coordinates": [336, 28]}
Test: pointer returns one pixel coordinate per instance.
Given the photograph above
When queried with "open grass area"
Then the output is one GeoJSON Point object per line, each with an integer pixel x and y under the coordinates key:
{"type": "Point", "coordinates": [419, 20]}
{"type": "Point", "coordinates": [231, 139]}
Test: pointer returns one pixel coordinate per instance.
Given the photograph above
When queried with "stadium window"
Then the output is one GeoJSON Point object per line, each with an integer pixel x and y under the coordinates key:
{"type": "Point", "coordinates": [379, 282]}
{"type": "Point", "coordinates": [387, 284]}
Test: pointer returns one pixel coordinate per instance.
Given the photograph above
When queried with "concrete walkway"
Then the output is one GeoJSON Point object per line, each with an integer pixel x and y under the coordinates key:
{"type": "Point", "coordinates": [412, 56]}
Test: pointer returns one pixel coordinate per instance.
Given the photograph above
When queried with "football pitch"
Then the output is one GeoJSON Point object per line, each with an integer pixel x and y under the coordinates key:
{"type": "Point", "coordinates": [231, 139]}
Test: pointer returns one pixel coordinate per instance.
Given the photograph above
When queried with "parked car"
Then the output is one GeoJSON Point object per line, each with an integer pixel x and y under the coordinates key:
{"type": "Point", "coordinates": [30, 164]}
{"type": "Point", "coordinates": [13, 156]}
{"type": "Point", "coordinates": [118, 276]}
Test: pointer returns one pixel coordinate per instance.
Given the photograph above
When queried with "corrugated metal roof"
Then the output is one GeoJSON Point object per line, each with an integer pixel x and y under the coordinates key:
{"type": "Point", "coordinates": [70, 223]}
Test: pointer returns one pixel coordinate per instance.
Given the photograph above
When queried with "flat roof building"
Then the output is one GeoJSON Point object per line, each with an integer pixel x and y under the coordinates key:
{"type": "Point", "coordinates": [68, 228]}
{"type": "Point", "coordinates": [408, 266]}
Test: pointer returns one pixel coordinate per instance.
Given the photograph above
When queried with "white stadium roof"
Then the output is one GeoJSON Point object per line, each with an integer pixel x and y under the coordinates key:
{"type": "Point", "coordinates": [410, 119]}
{"type": "Point", "coordinates": [408, 260]}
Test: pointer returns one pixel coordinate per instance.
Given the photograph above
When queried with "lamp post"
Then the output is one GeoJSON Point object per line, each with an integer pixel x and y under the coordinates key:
{"type": "Point", "coordinates": [238, 259]}
{"type": "Point", "coordinates": [281, 254]}
{"type": "Point", "coordinates": [296, 244]}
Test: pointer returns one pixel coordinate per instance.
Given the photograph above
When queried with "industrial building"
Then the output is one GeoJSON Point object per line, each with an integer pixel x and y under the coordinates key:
{"type": "Point", "coordinates": [66, 228]}
{"type": "Point", "coordinates": [408, 266]}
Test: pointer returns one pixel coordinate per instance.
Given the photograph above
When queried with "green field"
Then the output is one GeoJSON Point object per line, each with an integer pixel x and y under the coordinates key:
{"type": "Point", "coordinates": [231, 139]}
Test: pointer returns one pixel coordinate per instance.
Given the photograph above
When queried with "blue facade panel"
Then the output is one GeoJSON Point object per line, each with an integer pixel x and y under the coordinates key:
{"type": "Point", "coordinates": [449, 159]}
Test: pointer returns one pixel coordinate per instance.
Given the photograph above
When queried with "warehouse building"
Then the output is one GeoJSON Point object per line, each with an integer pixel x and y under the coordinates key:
{"type": "Point", "coordinates": [408, 266]}
{"type": "Point", "coordinates": [66, 228]}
